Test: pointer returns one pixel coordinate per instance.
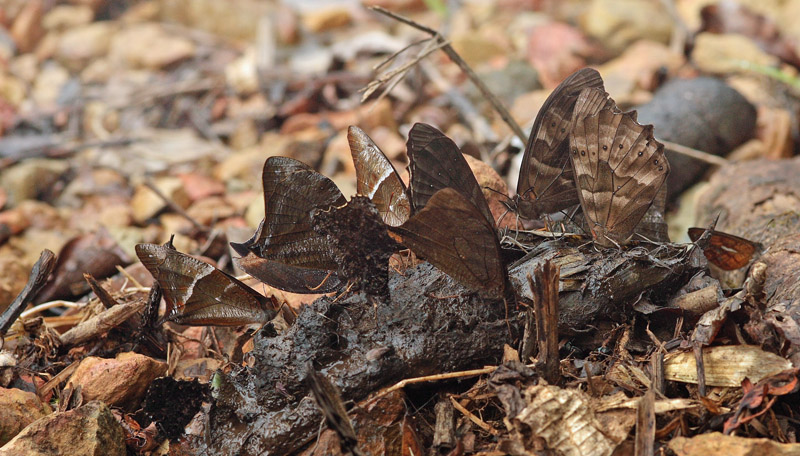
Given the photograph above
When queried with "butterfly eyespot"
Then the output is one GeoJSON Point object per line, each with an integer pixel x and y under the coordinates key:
{"type": "Point", "coordinates": [640, 154]}
{"type": "Point", "coordinates": [583, 152]}
{"type": "Point", "coordinates": [552, 124]}
{"type": "Point", "coordinates": [605, 147]}
{"type": "Point", "coordinates": [655, 162]}
{"type": "Point", "coordinates": [574, 151]}
{"type": "Point", "coordinates": [620, 146]}
{"type": "Point", "coordinates": [661, 168]}
{"type": "Point", "coordinates": [563, 129]}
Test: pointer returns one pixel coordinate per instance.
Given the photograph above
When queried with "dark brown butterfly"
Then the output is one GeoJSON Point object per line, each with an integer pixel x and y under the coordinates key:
{"type": "Point", "coordinates": [200, 294]}
{"type": "Point", "coordinates": [546, 183]}
{"type": "Point", "coordinates": [456, 237]}
{"type": "Point", "coordinates": [377, 178]}
{"type": "Point", "coordinates": [619, 167]}
{"type": "Point", "coordinates": [435, 163]}
{"type": "Point", "coordinates": [285, 252]}
{"type": "Point", "coordinates": [726, 251]}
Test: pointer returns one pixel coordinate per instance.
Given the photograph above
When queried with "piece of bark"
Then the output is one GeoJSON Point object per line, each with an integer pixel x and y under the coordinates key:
{"type": "Point", "coordinates": [444, 432]}
{"type": "Point", "coordinates": [601, 285]}
{"type": "Point", "coordinates": [101, 323]}
{"type": "Point", "coordinates": [41, 270]}
{"type": "Point", "coordinates": [646, 425]}
{"type": "Point", "coordinates": [545, 301]}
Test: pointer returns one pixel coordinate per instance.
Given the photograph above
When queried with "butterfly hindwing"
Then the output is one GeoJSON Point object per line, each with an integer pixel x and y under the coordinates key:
{"type": "Point", "coordinates": [453, 235]}
{"type": "Point", "coordinates": [435, 163]}
{"type": "Point", "coordinates": [619, 167]}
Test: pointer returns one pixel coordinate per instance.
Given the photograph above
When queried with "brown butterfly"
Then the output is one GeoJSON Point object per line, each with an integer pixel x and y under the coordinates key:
{"type": "Point", "coordinates": [377, 178]}
{"type": "Point", "coordinates": [456, 237]}
{"type": "Point", "coordinates": [619, 167]}
{"type": "Point", "coordinates": [285, 252]}
{"type": "Point", "coordinates": [726, 251]}
{"type": "Point", "coordinates": [199, 294]}
{"type": "Point", "coordinates": [435, 163]}
{"type": "Point", "coordinates": [546, 183]}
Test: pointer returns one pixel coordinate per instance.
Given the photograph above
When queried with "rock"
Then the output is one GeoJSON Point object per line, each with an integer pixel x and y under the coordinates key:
{"type": "Point", "coordinates": [65, 17]}
{"type": "Point", "coordinates": [13, 91]}
{"type": "Point", "coordinates": [635, 68]}
{"type": "Point", "coordinates": [618, 23]}
{"type": "Point", "coordinates": [30, 179]}
{"type": "Point", "coordinates": [556, 50]}
{"type": "Point", "coordinates": [149, 46]}
{"type": "Point", "coordinates": [721, 54]}
{"type": "Point", "coordinates": [236, 19]}
{"type": "Point", "coordinates": [27, 27]}
{"type": "Point", "coordinates": [78, 46]}
{"type": "Point", "coordinates": [197, 186]}
{"type": "Point", "coordinates": [146, 203]}
{"type": "Point", "coordinates": [322, 20]}
{"type": "Point", "coordinates": [242, 73]}
{"type": "Point", "coordinates": [488, 179]}
{"type": "Point", "coordinates": [88, 430]}
{"type": "Point", "coordinates": [48, 84]}
{"type": "Point", "coordinates": [210, 210]}
{"type": "Point", "coordinates": [18, 409]}
{"type": "Point", "coordinates": [120, 382]}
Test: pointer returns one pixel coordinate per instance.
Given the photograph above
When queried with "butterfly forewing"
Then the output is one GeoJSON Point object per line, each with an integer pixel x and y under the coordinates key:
{"type": "Point", "coordinates": [435, 163]}
{"type": "Point", "coordinates": [726, 251]}
{"type": "Point", "coordinates": [619, 167]}
{"type": "Point", "coordinates": [546, 179]}
{"type": "Point", "coordinates": [453, 235]}
{"type": "Point", "coordinates": [200, 294]}
{"type": "Point", "coordinates": [377, 178]}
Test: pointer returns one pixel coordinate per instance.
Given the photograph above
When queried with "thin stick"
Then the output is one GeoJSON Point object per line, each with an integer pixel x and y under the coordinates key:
{"type": "Point", "coordinates": [496, 103]}
{"type": "Point", "coordinates": [149, 184]}
{"type": "Point", "coordinates": [434, 378]}
{"type": "Point", "coordinates": [694, 153]}
{"type": "Point", "coordinates": [47, 306]}
{"type": "Point", "coordinates": [481, 424]}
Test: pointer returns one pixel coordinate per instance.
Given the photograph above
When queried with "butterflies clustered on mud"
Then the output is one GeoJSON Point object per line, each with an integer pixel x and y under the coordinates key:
{"type": "Point", "coordinates": [582, 151]}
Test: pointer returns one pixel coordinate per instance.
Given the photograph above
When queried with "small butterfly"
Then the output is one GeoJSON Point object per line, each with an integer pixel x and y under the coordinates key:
{"type": "Point", "coordinates": [199, 294]}
{"type": "Point", "coordinates": [619, 167]}
{"type": "Point", "coordinates": [726, 251]}
{"type": "Point", "coordinates": [377, 178]}
{"type": "Point", "coordinates": [285, 252]}
{"type": "Point", "coordinates": [546, 183]}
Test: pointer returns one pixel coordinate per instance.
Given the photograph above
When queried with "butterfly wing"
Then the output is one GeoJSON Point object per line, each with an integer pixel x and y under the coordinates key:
{"type": "Point", "coordinates": [292, 191]}
{"type": "Point", "coordinates": [436, 163]}
{"type": "Point", "coordinates": [546, 182]}
{"type": "Point", "coordinates": [377, 178]}
{"type": "Point", "coordinates": [453, 235]}
{"type": "Point", "coordinates": [726, 251]}
{"type": "Point", "coordinates": [200, 294]}
{"type": "Point", "coordinates": [619, 167]}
